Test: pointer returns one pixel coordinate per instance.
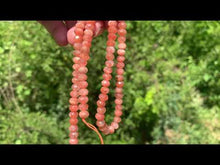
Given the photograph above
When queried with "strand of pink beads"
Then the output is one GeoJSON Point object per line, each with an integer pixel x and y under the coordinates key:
{"type": "Point", "coordinates": [81, 37]}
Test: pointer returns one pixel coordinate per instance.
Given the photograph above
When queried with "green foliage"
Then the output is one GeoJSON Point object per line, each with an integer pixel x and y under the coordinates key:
{"type": "Point", "coordinates": [171, 92]}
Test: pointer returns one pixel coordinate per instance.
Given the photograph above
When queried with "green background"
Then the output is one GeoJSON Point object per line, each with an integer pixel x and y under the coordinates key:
{"type": "Point", "coordinates": [171, 91]}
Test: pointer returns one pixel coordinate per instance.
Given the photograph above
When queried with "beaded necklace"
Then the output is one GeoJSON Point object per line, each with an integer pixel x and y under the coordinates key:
{"type": "Point", "coordinates": [83, 35]}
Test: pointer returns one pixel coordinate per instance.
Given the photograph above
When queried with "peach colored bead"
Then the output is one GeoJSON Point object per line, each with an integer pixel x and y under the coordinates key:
{"type": "Point", "coordinates": [105, 83]}
{"type": "Point", "coordinates": [76, 60]}
{"type": "Point", "coordinates": [100, 123]}
{"type": "Point", "coordinates": [107, 76]}
{"type": "Point", "coordinates": [83, 84]}
{"type": "Point", "coordinates": [83, 69]}
{"type": "Point", "coordinates": [112, 36]}
{"type": "Point", "coordinates": [83, 99]}
{"type": "Point", "coordinates": [121, 39]}
{"type": "Point", "coordinates": [86, 43]}
{"type": "Point", "coordinates": [106, 131]}
{"type": "Point", "coordinates": [73, 114]}
{"type": "Point", "coordinates": [87, 38]}
{"type": "Point", "coordinates": [104, 90]}
{"type": "Point", "coordinates": [112, 23]}
{"type": "Point", "coordinates": [120, 58]}
{"type": "Point", "coordinates": [78, 31]}
{"type": "Point", "coordinates": [73, 141]}
{"type": "Point", "coordinates": [122, 46]}
{"type": "Point", "coordinates": [79, 25]}
{"type": "Point", "coordinates": [120, 71]}
{"type": "Point", "coordinates": [104, 128]}
{"type": "Point", "coordinates": [77, 46]}
{"type": "Point", "coordinates": [90, 26]}
{"type": "Point", "coordinates": [74, 80]}
{"type": "Point", "coordinates": [112, 29]}
{"type": "Point", "coordinates": [115, 125]}
{"type": "Point", "coordinates": [111, 129]}
{"type": "Point", "coordinates": [122, 25]}
{"type": "Point", "coordinates": [118, 107]}
{"type": "Point", "coordinates": [110, 43]}
{"type": "Point", "coordinates": [73, 121]}
{"type": "Point", "coordinates": [109, 63]}
{"type": "Point", "coordinates": [88, 32]}
{"type": "Point", "coordinates": [121, 52]}
{"type": "Point", "coordinates": [107, 70]}
{"type": "Point", "coordinates": [110, 49]}
{"type": "Point", "coordinates": [118, 113]}
{"type": "Point", "coordinates": [76, 67]}
{"type": "Point", "coordinates": [76, 53]}
{"type": "Point", "coordinates": [118, 90]}
{"type": "Point", "coordinates": [122, 32]}
{"type": "Point", "coordinates": [117, 119]}
{"type": "Point", "coordinates": [119, 95]}
{"type": "Point", "coordinates": [83, 107]}
{"type": "Point", "coordinates": [99, 116]}
{"type": "Point", "coordinates": [83, 92]}
{"type": "Point", "coordinates": [118, 101]}
{"type": "Point", "coordinates": [103, 97]}
{"type": "Point", "coordinates": [73, 108]}
{"type": "Point", "coordinates": [73, 93]}
{"type": "Point", "coordinates": [85, 49]}
{"type": "Point", "coordinates": [100, 103]}
{"type": "Point", "coordinates": [110, 56]}
{"type": "Point", "coordinates": [75, 87]}
{"type": "Point", "coordinates": [101, 110]}
{"type": "Point", "coordinates": [73, 101]}
{"type": "Point", "coordinates": [120, 84]}
{"type": "Point", "coordinates": [119, 78]}
{"type": "Point", "coordinates": [73, 128]}
{"type": "Point", "coordinates": [77, 39]}
{"type": "Point", "coordinates": [120, 65]}
{"type": "Point", "coordinates": [73, 135]}
{"type": "Point", "coordinates": [84, 114]}
{"type": "Point", "coordinates": [82, 77]}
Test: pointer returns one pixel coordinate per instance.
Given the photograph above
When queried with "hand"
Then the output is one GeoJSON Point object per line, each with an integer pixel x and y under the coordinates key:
{"type": "Point", "coordinates": [59, 29]}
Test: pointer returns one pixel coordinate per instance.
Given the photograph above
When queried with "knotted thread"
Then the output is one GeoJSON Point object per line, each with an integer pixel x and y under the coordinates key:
{"type": "Point", "coordinates": [94, 129]}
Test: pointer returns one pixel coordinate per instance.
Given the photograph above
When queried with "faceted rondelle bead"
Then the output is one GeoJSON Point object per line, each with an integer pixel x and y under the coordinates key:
{"type": "Point", "coordinates": [100, 103]}
{"type": "Point", "coordinates": [73, 135]}
{"type": "Point", "coordinates": [73, 128]}
{"type": "Point", "coordinates": [105, 83]}
{"type": "Point", "coordinates": [73, 108]}
{"type": "Point", "coordinates": [73, 121]}
{"type": "Point", "coordinates": [83, 92]}
{"type": "Point", "coordinates": [104, 90]}
{"type": "Point", "coordinates": [103, 97]}
{"type": "Point", "coordinates": [83, 107]}
{"type": "Point", "coordinates": [100, 123]}
{"type": "Point", "coordinates": [101, 110]}
{"type": "Point", "coordinates": [83, 99]}
{"type": "Point", "coordinates": [115, 125]}
{"type": "Point", "coordinates": [107, 76]}
{"type": "Point", "coordinates": [117, 119]}
{"type": "Point", "coordinates": [118, 113]}
{"type": "Point", "coordinates": [121, 52]}
{"type": "Point", "coordinates": [73, 141]}
{"type": "Point", "coordinates": [111, 129]}
{"type": "Point", "coordinates": [73, 114]}
{"type": "Point", "coordinates": [99, 116]}
{"type": "Point", "coordinates": [83, 114]}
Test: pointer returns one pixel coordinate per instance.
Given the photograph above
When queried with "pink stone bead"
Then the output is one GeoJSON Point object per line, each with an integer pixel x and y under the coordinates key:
{"type": "Point", "coordinates": [122, 25]}
{"type": "Point", "coordinates": [103, 97]}
{"type": "Point", "coordinates": [87, 38]}
{"type": "Point", "coordinates": [104, 90]}
{"type": "Point", "coordinates": [83, 114]}
{"type": "Point", "coordinates": [118, 113]}
{"type": "Point", "coordinates": [107, 76]}
{"type": "Point", "coordinates": [118, 95]}
{"type": "Point", "coordinates": [78, 31]}
{"type": "Point", "coordinates": [99, 116]}
{"type": "Point", "coordinates": [122, 32]}
{"type": "Point", "coordinates": [73, 114]}
{"type": "Point", "coordinates": [111, 129]}
{"type": "Point", "coordinates": [115, 125]}
{"type": "Point", "coordinates": [73, 128]}
{"type": "Point", "coordinates": [112, 23]}
{"type": "Point", "coordinates": [83, 107]}
{"type": "Point", "coordinates": [109, 63]}
{"type": "Point", "coordinates": [112, 29]}
{"type": "Point", "coordinates": [83, 69]}
{"type": "Point", "coordinates": [77, 39]}
{"type": "Point", "coordinates": [122, 46]}
{"type": "Point", "coordinates": [100, 103]}
{"type": "Point", "coordinates": [73, 121]}
{"type": "Point", "coordinates": [117, 119]}
{"type": "Point", "coordinates": [110, 43]}
{"type": "Point", "coordinates": [120, 65]}
{"type": "Point", "coordinates": [90, 26]}
{"type": "Point", "coordinates": [86, 43]}
{"type": "Point", "coordinates": [109, 56]}
{"type": "Point", "coordinates": [101, 110]}
{"type": "Point", "coordinates": [88, 32]}
{"type": "Point", "coordinates": [118, 107]}
{"type": "Point", "coordinates": [77, 46]}
{"type": "Point", "coordinates": [118, 90]}
{"type": "Point", "coordinates": [75, 87]}
{"type": "Point", "coordinates": [120, 71]}
{"type": "Point", "coordinates": [107, 70]}
{"type": "Point", "coordinates": [73, 101]}
{"type": "Point", "coordinates": [104, 128]}
{"type": "Point", "coordinates": [73, 141]}
{"type": "Point", "coordinates": [118, 101]}
{"type": "Point", "coordinates": [100, 123]}
{"type": "Point", "coordinates": [75, 73]}
{"type": "Point", "coordinates": [76, 53]}
{"type": "Point", "coordinates": [83, 84]}
{"type": "Point", "coordinates": [119, 77]}
{"type": "Point", "coordinates": [83, 62]}
{"type": "Point", "coordinates": [121, 52]}
{"type": "Point", "coordinates": [73, 93]}
{"type": "Point", "coordinates": [121, 39]}
{"type": "Point", "coordinates": [82, 77]}
{"type": "Point", "coordinates": [106, 131]}
{"type": "Point", "coordinates": [85, 49]}
{"type": "Point", "coordinates": [76, 60]}
{"type": "Point", "coordinates": [74, 80]}
{"type": "Point", "coordinates": [83, 92]}
{"type": "Point", "coordinates": [112, 36]}
{"type": "Point", "coordinates": [83, 99]}
{"type": "Point", "coordinates": [120, 84]}
{"type": "Point", "coordinates": [120, 58]}
{"type": "Point", "coordinates": [79, 25]}
{"type": "Point", "coordinates": [105, 83]}
{"type": "Point", "coordinates": [110, 49]}
{"type": "Point", "coordinates": [73, 108]}
{"type": "Point", "coordinates": [76, 66]}
{"type": "Point", "coordinates": [73, 135]}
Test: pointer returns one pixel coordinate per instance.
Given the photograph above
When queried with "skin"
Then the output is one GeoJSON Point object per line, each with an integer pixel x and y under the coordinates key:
{"type": "Point", "coordinates": [59, 29]}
